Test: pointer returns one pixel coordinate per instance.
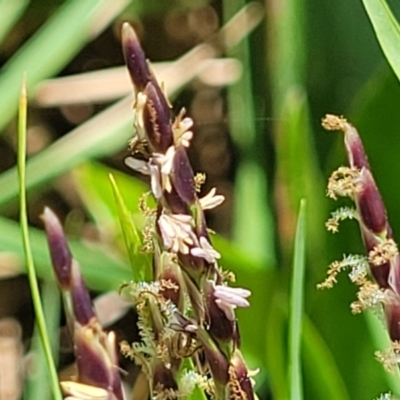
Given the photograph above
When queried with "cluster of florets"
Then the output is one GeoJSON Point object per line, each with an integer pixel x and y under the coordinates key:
{"type": "Point", "coordinates": [188, 312]}
{"type": "Point", "coordinates": [377, 273]}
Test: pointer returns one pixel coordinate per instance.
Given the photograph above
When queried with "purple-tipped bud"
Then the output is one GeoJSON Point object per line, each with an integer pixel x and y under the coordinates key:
{"type": "Point", "coordinates": [355, 149]}
{"type": "Point", "coordinates": [183, 176]}
{"type": "Point", "coordinates": [96, 365]}
{"type": "Point", "coordinates": [175, 202]}
{"type": "Point", "coordinates": [217, 362]}
{"type": "Point", "coordinates": [60, 254]}
{"type": "Point", "coordinates": [240, 383]}
{"type": "Point", "coordinates": [221, 317]}
{"type": "Point", "coordinates": [157, 119]}
{"type": "Point", "coordinates": [135, 58]}
{"type": "Point", "coordinates": [80, 298]}
{"type": "Point", "coordinates": [370, 205]}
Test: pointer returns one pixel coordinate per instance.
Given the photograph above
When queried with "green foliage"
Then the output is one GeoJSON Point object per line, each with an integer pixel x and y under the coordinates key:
{"type": "Point", "coordinates": [288, 82]}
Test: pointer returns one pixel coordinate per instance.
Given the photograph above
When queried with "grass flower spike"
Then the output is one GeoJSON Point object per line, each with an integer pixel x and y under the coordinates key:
{"type": "Point", "coordinates": [95, 350]}
{"type": "Point", "coordinates": [188, 312]}
{"type": "Point", "coordinates": [377, 273]}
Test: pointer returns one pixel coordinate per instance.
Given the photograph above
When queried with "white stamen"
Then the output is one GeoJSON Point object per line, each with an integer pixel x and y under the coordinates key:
{"type": "Point", "coordinates": [206, 251]}
{"type": "Point", "coordinates": [137, 165]}
{"type": "Point", "coordinates": [211, 200]}
{"type": "Point", "coordinates": [177, 232]}
{"type": "Point", "coordinates": [165, 162]}
{"type": "Point", "coordinates": [182, 133]}
{"type": "Point", "coordinates": [233, 296]}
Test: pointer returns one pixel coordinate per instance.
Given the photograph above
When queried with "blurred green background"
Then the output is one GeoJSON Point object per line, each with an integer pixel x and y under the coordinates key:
{"type": "Point", "coordinates": [257, 109]}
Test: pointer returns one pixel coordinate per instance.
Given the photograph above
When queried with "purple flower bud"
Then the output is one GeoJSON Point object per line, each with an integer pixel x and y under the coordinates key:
{"type": "Point", "coordinates": [217, 363]}
{"type": "Point", "coordinates": [96, 366]}
{"type": "Point", "coordinates": [355, 149]}
{"type": "Point", "coordinates": [221, 327]}
{"type": "Point", "coordinates": [183, 176]}
{"type": "Point", "coordinates": [135, 58]}
{"type": "Point", "coordinates": [370, 205]}
{"type": "Point", "coordinates": [240, 383]}
{"type": "Point", "coordinates": [157, 119]}
{"type": "Point", "coordinates": [175, 202]}
{"type": "Point", "coordinates": [81, 301]}
{"type": "Point", "coordinates": [59, 251]}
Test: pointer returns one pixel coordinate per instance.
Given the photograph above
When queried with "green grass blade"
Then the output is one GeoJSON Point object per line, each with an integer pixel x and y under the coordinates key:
{"type": "Point", "coordinates": [95, 262]}
{"type": "Point", "coordinates": [324, 374]}
{"type": "Point", "coordinates": [387, 31]}
{"type": "Point", "coordinates": [105, 133]}
{"type": "Point", "coordinates": [140, 262]}
{"type": "Point", "coordinates": [296, 308]}
{"type": "Point", "coordinates": [28, 252]}
{"type": "Point", "coordinates": [37, 386]}
{"type": "Point", "coordinates": [10, 11]}
{"type": "Point", "coordinates": [52, 47]}
{"type": "Point", "coordinates": [253, 226]}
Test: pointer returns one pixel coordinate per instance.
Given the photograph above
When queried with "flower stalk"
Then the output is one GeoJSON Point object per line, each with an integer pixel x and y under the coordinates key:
{"type": "Point", "coordinates": [377, 273]}
{"type": "Point", "coordinates": [95, 350]}
{"type": "Point", "coordinates": [188, 311]}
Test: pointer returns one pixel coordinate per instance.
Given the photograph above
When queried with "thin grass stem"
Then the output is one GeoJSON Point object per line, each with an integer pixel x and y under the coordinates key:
{"type": "Point", "coordinates": [22, 121]}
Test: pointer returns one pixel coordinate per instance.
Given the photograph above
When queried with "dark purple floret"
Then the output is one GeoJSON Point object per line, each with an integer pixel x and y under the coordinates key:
{"type": "Point", "coordinates": [183, 176]}
{"type": "Point", "coordinates": [60, 253]}
{"type": "Point", "coordinates": [370, 204]}
{"type": "Point", "coordinates": [242, 377]}
{"type": "Point", "coordinates": [81, 301]}
{"type": "Point", "coordinates": [355, 149]}
{"type": "Point", "coordinates": [135, 58]}
{"type": "Point", "coordinates": [157, 119]}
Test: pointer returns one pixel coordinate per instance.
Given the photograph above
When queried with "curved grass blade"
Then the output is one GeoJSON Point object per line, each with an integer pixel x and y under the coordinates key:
{"type": "Point", "coordinates": [140, 262]}
{"type": "Point", "coordinates": [111, 129]}
{"type": "Point", "coordinates": [296, 308]}
{"type": "Point", "coordinates": [53, 46]}
{"type": "Point", "coordinates": [387, 31]}
{"type": "Point", "coordinates": [96, 263]}
{"type": "Point", "coordinates": [36, 386]}
{"type": "Point", "coordinates": [10, 11]}
{"type": "Point", "coordinates": [27, 248]}
{"type": "Point", "coordinates": [328, 384]}
{"type": "Point", "coordinates": [253, 226]}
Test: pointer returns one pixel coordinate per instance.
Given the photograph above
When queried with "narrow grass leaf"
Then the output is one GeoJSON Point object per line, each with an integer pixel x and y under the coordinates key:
{"type": "Point", "coordinates": [296, 308]}
{"type": "Point", "coordinates": [51, 369]}
{"type": "Point", "coordinates": [140, 262]}
{"type": "Point", "coordinates": [102, 271]}
{"type": "Point", "coordinates": [53, 46]}
{"type": "Point", "coordinates": [36, 386]}
{"type": "Point", "coordinates": [276, 345]}
{"type": "Point", "coordinates": [387, 31]}
{"type": "Point", "coordinates": [10, 11]}
{"type": "Point", "coordinates": [105, 133]}
{"type": "Point", "coordinates": [320, 366]}
{"type": "Point", "coordinates": [111, 129]}
{"type": "Point", "coordinates": [253, 226]}
{"type": "Point", "coordinates": [92, 180]}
